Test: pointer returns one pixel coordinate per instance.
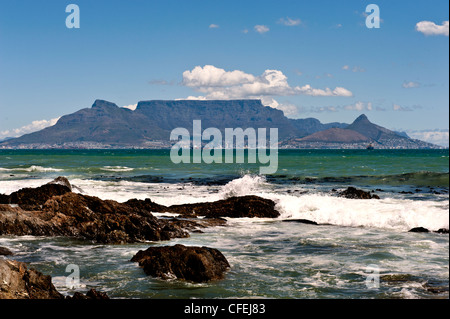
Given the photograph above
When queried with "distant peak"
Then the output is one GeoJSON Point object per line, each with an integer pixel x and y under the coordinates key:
{"type": "Point", "coordinates": [362, 118]}
{"type": "Point", "coordinates": [103, 103]}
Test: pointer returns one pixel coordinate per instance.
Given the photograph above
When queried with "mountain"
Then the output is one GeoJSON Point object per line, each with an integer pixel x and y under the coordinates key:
{"type": "Point", "coordinates": [310, 126]}
{"type": "Point", "coordinates": [105, 125]}
{"type": "Point", "coordinates": [337, 135]}
{"type": "Point", "coordinates": [359, 134]}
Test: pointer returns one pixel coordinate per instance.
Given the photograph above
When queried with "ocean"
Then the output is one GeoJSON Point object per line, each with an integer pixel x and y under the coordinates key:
{"type": "Point", "coordinates": [361, 248]}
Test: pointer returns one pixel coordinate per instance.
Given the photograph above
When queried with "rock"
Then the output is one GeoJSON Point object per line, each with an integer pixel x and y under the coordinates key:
{"type": "Point", "coordinates": [19, 282]}
{"type": "Point", "coordinates": [61, 181]}
{"type": "Point", "coordinates": [197, 264]}
{"type": "Point", "coordinates": [354, 193]}
{"type": "Point", "coordinates": [53, 210]}
{"type": "Point", "coordinates": [301, 221]}
{"type": "Point", "coordinates": [235, 207]}
{"type": "Point", "coordinates": [442, 231]}
{"type": "Point", "coordinates": [91, 294]}
{"type": "Point", "coordinates": [419, 230]}
{"type": "Point", "coordinates": [5, 252]}
{"type": "Point", "coordinates": [34, 198]}
{"type": "Point", "coordinates": [88, 217]}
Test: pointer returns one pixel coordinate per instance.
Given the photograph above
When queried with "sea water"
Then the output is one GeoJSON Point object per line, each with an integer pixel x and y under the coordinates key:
{"type": "Point", "coordinates": [269, 258]}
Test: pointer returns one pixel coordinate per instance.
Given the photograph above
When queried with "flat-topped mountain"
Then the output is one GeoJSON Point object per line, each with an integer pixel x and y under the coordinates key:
{"type": "Point", "coordinates": [105, 125]}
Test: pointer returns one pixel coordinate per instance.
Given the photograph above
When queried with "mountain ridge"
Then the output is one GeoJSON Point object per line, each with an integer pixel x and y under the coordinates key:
{"type": "Point", "coordinates": [106, 125]}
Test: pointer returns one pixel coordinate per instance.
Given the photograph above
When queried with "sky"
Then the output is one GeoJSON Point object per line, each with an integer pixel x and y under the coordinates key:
{"type": "Point", "coordinates": [308, 58]}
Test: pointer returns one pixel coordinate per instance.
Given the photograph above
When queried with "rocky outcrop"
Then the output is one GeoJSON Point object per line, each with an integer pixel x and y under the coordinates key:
{"type": "Point", "coordinates": [235, 207]}
{"type": "Point", "coordinates": [53, 210]}
{"type": "Point", "coordinates": [19, 282]}
{"type": "Point", "coordinates": [34, 198]}
{"type": "Point", "coordinates": [197, 264]}
{"type": "Point", "coordinates": [354, 193]}
{"type": "Point", "coordinates": [76, 215]}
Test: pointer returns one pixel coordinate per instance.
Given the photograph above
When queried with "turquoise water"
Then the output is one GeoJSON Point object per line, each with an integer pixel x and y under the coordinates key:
{"type": "Point", "coordinates": [269, 258]}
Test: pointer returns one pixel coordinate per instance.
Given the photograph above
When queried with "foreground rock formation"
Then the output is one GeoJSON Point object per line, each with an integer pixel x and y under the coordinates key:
{"type": "Point", "coordinates": [19, 282]}
{"type": "Point", "coordinates": [197, 264]}
{"type": "Point", "coordinates": [54, 210]}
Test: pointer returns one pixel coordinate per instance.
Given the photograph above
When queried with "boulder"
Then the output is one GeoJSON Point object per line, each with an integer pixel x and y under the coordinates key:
{"type": "Point", "coordinates": [5, 252]}
{"type": "Point", "coordinates": [354, 193]}
{"type": "Point", "coordinates": [419, 230]}
{"type": "Point", "coordinates": [235, 207]}
{"type": "Point", "coordinates": [19, 282]}
{"type": "Point", "coordinates": [196, 264]}
{"type": "Point", "coordinates": [92, 294]}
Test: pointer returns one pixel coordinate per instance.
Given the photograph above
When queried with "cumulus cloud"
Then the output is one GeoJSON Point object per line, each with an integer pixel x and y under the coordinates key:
{"type": "Point", "coordinates": [131, 107]}
{"type": "Point", "coordinates": [410, 84]}
{"type": "Point", "coordinates": [213, 26]}
{"type": "Point", "coordinates": [261, 28]}
{"type": "Point", "coordinates": [289, 22]}
{"type": "Point", "coordinates": [30, 128]}
{"type": "Point", "coordinates": [436, 136]}
{"type": "Point", "coordinates": [431, 28]}
{"type": "Point", "coordinates": [217, 83]}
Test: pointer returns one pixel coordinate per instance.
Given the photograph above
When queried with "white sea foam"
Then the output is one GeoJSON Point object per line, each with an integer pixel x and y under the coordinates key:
{"type": "Point", "coordinates": [32, 168]}
{"type": "Point", "coordinates": [117, 169]}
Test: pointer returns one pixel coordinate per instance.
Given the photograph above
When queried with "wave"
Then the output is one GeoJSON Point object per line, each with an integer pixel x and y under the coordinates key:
{"type": "Point", "coordinates": [32, 168]}
{"type": "Point", "coordinates": [117, 169]}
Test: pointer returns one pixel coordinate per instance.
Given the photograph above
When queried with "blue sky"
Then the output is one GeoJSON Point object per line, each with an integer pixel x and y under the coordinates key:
{"type": "Point", "coordinates": [308, 58]}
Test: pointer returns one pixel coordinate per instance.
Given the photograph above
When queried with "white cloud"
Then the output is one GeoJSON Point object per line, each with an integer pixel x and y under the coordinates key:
{"type": "Point", "coordinates": [431, 28]}
{"type": "Point", "coordinates": [131, 107]}
{"type": "Point", "coordinates": [353, 69]}
{"type": "Point", "coordinates": [410, 84]}
{"type": "Point", "coordinates": [400, 108]}
{"type": "Point", "coordinates": [289, 22]}
{"type": "Point", "coordinates": [213, 26]}
{"type": "Point", "coordinates": [436, 136]}
{"type": "Point", "coordinates": [30, 128]}
{"type": "Point", "coordinates": [261, 29]}
{"type": "Point", "coordinates": [217, 83]}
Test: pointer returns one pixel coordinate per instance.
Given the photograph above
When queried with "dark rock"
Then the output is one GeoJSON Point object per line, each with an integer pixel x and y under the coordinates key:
{"type": "Point", "coordinates": [354, 193]}
{"type": "Point", "coordinates": [245, 206]}
{"type": "Point", "coordinates": [34, 198]}
{"type": "Point", "coordinates": [91, 294]}
{"type": "Point", "coordinates": [5, 252]}
{"type": "Point", "coordinates": [61, 181]}
{"type": "Point", "coordinates": [77, 215]}
{"type": "Point", "coordinates": [419, 230]}
{"type": "Point", "coordinates": [197, 264]}
{"type": "Point", "coordinates": [301, 221]}
{"type": "Point", "coordinates": [442, 231]}
{"type": "Point", "coordinates": [19, 282]}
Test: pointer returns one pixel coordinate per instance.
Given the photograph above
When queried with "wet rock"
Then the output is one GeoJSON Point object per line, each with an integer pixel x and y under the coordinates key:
{"type": "Point", "coordinates": [197, 264]}
{"type": "Point", "coordinates": [235, 207]}
{"type": "Point", "coordinates": [34, 198]}
{"type": "Point", "coordinates": [88, 217]}
{"type": "Point", "coordinates": [19, 282]}
{"type": "Point", "coordinates": [61, 181]}
{"type": "Point", "coordinates": [354, 193]}
{"type": "Point", "coordinates": [5, 252]}
{"type": "Point", "coordinates": [442, 231]}
{"type": "Point", "coordinates": [91, 294]}
{"type": "Point", "coordinates": [301, 221]}
{"type": "Point", "coordinates": [419, 230]}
